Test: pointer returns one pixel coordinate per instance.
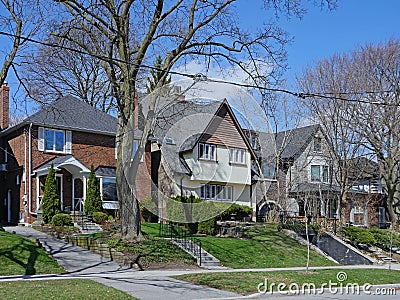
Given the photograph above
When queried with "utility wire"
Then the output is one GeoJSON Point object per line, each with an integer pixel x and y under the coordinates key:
{"type": "Point", "coordinates": [325, 95]}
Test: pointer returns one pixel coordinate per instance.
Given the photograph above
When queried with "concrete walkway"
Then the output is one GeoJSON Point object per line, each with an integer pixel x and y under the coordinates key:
{"type": "Point", "coordinates": [153, 284]}
{"type": "Point", "coordinates": [81, 263]}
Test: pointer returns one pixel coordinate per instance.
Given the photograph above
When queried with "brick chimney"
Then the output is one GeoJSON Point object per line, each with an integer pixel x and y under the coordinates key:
{"type": "Point", "coordinates": [4, 106]}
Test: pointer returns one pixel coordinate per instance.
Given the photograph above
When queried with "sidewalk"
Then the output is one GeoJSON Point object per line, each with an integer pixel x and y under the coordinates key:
{"type": "Point", "coordinates": [81, 263]}
{"type": "Point", "coordinates": [153, 284]}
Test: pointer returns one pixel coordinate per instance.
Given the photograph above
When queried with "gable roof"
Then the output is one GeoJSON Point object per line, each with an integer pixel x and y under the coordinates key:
{"type": "Point", "coordinates": [294, 141]}
{"type": "Point", "coordinates": [184, 123]}
{"type": "Point", "coordinates": [72, 113]}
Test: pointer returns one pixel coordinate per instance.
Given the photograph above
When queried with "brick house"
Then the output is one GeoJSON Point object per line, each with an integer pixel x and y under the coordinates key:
{"type": "Point", "coordinates": [68, 134]}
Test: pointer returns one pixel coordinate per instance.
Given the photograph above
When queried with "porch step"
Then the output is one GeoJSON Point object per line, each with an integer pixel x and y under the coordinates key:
{"type": "Point", "coordinates": [84, 223]}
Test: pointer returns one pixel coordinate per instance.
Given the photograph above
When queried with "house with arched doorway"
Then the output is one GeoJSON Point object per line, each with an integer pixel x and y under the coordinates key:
{"type": "Point", "coordinates": [69, 135]}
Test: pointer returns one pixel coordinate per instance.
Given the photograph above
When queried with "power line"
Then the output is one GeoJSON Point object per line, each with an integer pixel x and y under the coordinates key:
{"type": "Point", "coordinates": [325, 95]}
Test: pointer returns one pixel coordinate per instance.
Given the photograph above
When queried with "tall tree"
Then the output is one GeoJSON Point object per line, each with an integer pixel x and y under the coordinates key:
{"type": "Point", "coordinates": [359, 101]}
{"type": "Point", "coordinates": [126, 34]}
{"type": "Point", "coordinates": [51, 200]}
{"type": "Point", "coordinates": [156, 76]}
{"type": "Point", "coordinates": [332, 114]}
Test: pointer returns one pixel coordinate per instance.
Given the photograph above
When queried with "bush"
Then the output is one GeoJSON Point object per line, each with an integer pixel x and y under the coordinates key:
{"type": "Point", "coordinates": [93, 201]}
{"type": "Point", "coordinates": [99, 217]}
{"type": "Point", "coordinates": [238, 211]}
{"type": "Point", "coordinates": [148, 210]}
{"type": "Point", "coordinates": [51, 200]}
{"type": "Point", "coordinates": [382, 237]}
{"type": "Point", "coordinates": [359, 236]}
{"type": "Point", "coordinates": [208, 227]}
{"type": "Point", "coordinates": [61, 220]}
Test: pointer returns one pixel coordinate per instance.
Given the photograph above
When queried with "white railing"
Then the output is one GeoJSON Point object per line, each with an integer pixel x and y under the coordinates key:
{"type": "Point", "coordinates": [77, 204]}
{"type": "Point", "coordinates": [39, 203]}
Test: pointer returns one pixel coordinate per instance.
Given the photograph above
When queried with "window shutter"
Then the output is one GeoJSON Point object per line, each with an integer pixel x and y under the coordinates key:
{"type": "Point", "coordinates": [41, 139]}
{"type": "Point", "coordinates": [68, 142]}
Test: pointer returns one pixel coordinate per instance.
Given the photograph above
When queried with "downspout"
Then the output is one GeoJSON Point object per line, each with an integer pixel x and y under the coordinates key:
{"type": "Point", "coordinates": [24, 178]}
{"type": "Point", "coordinates": [30, 169]}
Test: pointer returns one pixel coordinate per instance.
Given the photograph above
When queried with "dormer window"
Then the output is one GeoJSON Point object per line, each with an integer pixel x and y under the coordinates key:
{"type": "Point", "coordinates": [317, 144]}
{"type": "Point", "coordinates": [207, 152]}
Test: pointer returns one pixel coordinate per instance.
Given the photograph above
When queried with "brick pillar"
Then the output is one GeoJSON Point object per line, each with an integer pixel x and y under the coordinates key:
{"type": "Point", "coordinates": [4, 106]}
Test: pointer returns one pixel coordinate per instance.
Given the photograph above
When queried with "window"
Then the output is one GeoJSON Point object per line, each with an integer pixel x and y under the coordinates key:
{"type": "Point", "coordinates": [317, 144]}
{"type": "Point", "coordinates": [319, 173]}
{"type": "Point", "coordinates": [216, 192]}
{"type": "Point", "coordinates": [207, 152]}
{"type": "Point", "coordinates": [325, 173]}
{"type": "Point", "coordinates": [109, 189]}
{"type": "Point", "coordinates": [17, 180]}
{"type": "Point", "coordinates": [315, 173]}
{"type": "Point", "coordinates": [358, 210]}
{"type": "Point", "coordinates": [6, 155]}
{"type": "Point", "coordinates": [53, 140]}
{"type": "Point", "coordinates": [269, 170]}
{"type": "Point", "coordinates": [237, 156]}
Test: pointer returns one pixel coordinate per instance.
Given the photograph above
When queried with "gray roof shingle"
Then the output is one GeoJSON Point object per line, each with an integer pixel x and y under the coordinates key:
{"type": "Point", "coordinates": [70, 112]}
{"type": "Point", "coordinates": [293, 142]}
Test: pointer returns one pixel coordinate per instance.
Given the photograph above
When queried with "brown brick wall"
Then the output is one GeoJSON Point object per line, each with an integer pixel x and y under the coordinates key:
{"type": "Point", "coordinates": [4, 106]}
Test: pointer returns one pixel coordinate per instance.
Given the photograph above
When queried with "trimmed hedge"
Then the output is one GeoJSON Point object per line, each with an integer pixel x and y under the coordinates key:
{"type": "Point", "coordinates": [359, 235]}
{"type": "Point", "coordinates": [99, 217]}
{"type": "Point", "coordinates": [61, 220]}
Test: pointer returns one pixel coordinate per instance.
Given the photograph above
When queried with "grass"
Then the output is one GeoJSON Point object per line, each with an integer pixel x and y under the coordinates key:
{"type": "Point", "coordinates": [265, 247]}
{"type": "Point", "coordinates": [59, 289]}
{"type": "Point", "coordinates": [21, 256]}
{"type": "Point", "coordinates": [154, 250]}
{"type": "Point", "coordinates": [247, 282]}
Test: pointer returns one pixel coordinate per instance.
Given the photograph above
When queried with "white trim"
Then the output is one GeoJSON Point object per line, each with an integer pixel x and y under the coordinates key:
{"type": "Point", "coordinates": [61, 190]}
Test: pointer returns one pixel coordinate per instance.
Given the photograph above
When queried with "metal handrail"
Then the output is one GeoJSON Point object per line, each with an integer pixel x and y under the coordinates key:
{"type": "Point", "coordinates": [178, 234]}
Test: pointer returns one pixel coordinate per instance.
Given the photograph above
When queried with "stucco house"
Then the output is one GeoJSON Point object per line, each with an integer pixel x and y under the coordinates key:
{"type": "Point", "coordinates": [202, 152]}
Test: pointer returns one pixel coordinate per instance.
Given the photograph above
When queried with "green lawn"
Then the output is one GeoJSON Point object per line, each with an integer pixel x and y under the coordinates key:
{"type": "Point", "coordinates": [21, 256]}
{"type": "Point", "coordinates": [59, 289]}
{"type": "Point", "coordinates": [247, 282]}
{"type": "Point", "coordinates": [265, 247]}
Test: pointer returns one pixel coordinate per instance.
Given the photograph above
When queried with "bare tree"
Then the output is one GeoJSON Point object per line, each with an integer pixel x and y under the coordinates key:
{"type": "Point", "coordinates": [53, 72]}
{"type": "Point", "coordinates": [355, 97]}
{"type": "Point", "coordinates": [129, 34]}
{"type": "Point", "coordinates": [17, 18]}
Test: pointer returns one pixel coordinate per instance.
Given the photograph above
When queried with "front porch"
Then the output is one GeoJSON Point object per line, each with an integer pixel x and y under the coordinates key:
{"type": "Point", "coordinates": [71, 178]}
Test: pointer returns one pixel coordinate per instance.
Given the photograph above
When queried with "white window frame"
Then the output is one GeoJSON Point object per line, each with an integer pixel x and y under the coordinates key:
{"type": "Point", "coordinates": [317, 144]}
{"type": "Point", "coordinates": [67, 145]}
{"type": "Point", "coordinates": [321, 177]}
{"type": "Point", "coordinates": [319, 173]}
{"type": "Point", "coordinates": [237, 156]}
{"type": "Point", "coordinates": [216, 192]}
{"type": "Point", "coordinates": [209, 152]}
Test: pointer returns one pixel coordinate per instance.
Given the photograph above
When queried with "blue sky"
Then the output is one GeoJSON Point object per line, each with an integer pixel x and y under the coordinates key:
{"type": "Point", "coordinates": [354, 23]}
{"type": "Point", "coordinates": [321, 33]}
